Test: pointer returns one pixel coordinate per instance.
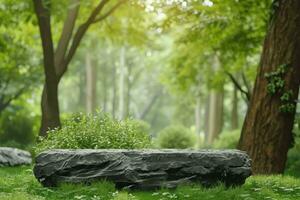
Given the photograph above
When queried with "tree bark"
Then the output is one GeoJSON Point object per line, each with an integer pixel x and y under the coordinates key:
{"type": "Point", "coordinates": [49, 103]}
{"type": "Point", "coordinates": [234, 110]}
{"type": "Point", "coordinates": [267, 131]}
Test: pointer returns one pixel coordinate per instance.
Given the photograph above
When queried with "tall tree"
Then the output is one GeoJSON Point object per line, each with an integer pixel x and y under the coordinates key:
{"type": "Point", "coordinates": [56, 62]}
{"type": "Point", "coordinates": [267, 130]}
{"type": "Point", "coordinates": [215, 119]}
{"type": "Point", "coordinates": [216, 98]}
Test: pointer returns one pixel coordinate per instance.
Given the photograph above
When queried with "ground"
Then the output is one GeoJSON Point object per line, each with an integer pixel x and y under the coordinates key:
{"type": "Point", "coordinates": [18, 183]}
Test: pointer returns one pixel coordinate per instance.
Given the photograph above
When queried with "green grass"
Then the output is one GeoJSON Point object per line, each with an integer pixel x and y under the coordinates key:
{"type": "Point", "coordinates": [19, 184]}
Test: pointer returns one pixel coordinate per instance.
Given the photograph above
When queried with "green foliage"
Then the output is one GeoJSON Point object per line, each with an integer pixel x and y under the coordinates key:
{"type": "Point", "coordinates": [293, 161]}
{"type": "Point", "coordinates": [276, 79]}
{"type": "Point", "coordinates": [227, 140]}
{"type": "Point", "coordinates": [19, 66]}
{"type": "Point", "coordinates": [233, 31]}
{"type": "Point", "coordinates": [16, 129]}
{"type": "Point", "coordinates": [19, 184]}
{"type": "Point", "coordinates": [287, 106]}
{"type": "Point", "coordinates": [276, 85]}
{"type": "Point", "coordinates": [176, 137]}
{"type": "Point", "coordinates": [98, 131]}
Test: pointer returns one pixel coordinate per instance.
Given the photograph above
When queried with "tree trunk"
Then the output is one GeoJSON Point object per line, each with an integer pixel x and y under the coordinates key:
{"type": "Point", "coordinates": [215, 120]}
{"type": "Point", "coordinates": [216, 96]}
{"type": "Point", "coordinates": [198, 115]}
{"type": "Point", "coordinates": [114, 94]}
{"type": "Point", "coordinates": [128, 92]}
{"type": "Point", "coordinates": [50, 109]}
{"type": "Point", "coordinates": [49, 102]}
{"type": "Point", "coordinates": [267, 130]}
{"type": "Point", "coordinates": [82, 93]}
{"type": "Point", "coordinates": [91, 85]}
{"type": "Point", "coordinates": [234, 111]}
{"type": "Point", "coordinates": [121, 84]}
{"type": "Point", "coordinates": [206, 117]}
{"type": "Point", "coordinates": [55, 65]}
{"type": "Point", "coordinates": [105, 88]}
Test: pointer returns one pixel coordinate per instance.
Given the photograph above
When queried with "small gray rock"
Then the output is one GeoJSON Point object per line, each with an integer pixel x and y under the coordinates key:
{"type": "Point", "coordinates": [143, 169]}
{"type": "Point", "coordinates": [14, 157]}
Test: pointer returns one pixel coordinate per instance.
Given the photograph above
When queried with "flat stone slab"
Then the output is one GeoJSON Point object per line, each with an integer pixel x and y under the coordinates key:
{"type": "Point", "coordinates": [143, 169]}
{"type": "Point", "coordinates": [14, 157]}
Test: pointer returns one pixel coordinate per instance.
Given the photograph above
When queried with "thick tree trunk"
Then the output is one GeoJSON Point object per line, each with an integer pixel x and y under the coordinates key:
{"type": "Point", "coordinates": [267, 130]}
{"type": "Point", "coordinates": [49, 102]}
{"type": "Point", "coordinates": [50, 109]}
{"type": "Point", "coordinates": [234, 110]}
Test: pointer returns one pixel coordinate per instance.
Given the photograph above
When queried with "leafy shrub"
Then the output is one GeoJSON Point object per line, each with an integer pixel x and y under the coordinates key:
{"type": "Point", "coordinates": [16, 129]}
{"type": "Point", "coordinates": [227, 140]}
{"type": "Point", "coordinates": [176, 137]}
{"type": "Point", "coordinates": [98, 131]}
{"type": "Point", "coordinates": [293, 160]}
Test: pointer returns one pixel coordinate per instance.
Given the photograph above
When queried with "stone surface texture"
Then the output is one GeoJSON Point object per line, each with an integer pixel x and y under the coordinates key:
{"type": "Point", "coordinates": [14, 157]}
{"type": "Point", "coordinates": [143, 169]}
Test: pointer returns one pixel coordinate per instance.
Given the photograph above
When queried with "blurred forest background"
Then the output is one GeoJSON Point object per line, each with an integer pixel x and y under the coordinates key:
{"type": "Point", "coordinates": [176, 66]}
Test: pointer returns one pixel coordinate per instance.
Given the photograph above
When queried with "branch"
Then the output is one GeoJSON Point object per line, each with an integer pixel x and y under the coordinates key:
{"type": "Point", "coordinates": [4, 85]}
{"type": "Point", "coordinates": [247, 85]}
{"type": "Point", "coordinates": [66, 34]}
{"type": "Point", "coordinates": [79, 35]}
{"type": "Point", "coordinates": [150, 105]}
{"type": "Point", "coordinates": [108, 13]}
{"type": "Point", "coordinates": [5, 104]}
{"type": "Point", "coordinates": [237, 85]}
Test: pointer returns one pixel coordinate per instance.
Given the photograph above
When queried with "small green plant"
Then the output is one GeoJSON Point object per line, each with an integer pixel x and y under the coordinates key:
{"type": "Point", "coordinates": [276, 85]}
{"type": "Point", "coordinates": [16, 129]}
{"type": "Point", "coordinates": [176, 137]}
{"type": "Point", "coordinates": [227, 140]}
{"type": "Point", "coordinates": [288, 106]}
{"type": "Point", "coordinates": [99, 131]}
{"type": "Point", "coordinates": [275, 79]}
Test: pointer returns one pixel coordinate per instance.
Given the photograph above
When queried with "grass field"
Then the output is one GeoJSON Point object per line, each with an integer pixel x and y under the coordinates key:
{"type": "Point", "coordinates": [19, 184]}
